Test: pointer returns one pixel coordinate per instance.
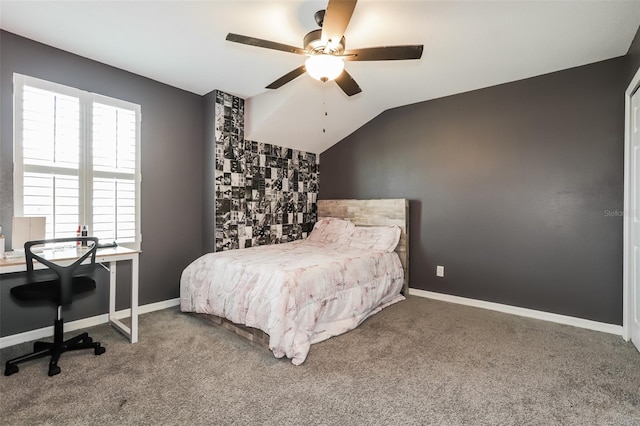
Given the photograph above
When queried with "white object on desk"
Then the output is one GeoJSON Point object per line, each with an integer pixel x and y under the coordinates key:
{"type": "Point", "coordinates": [27, 229]}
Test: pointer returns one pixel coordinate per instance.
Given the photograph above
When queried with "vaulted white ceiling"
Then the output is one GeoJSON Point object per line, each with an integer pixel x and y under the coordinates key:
{"type": "Point", "coordinates": [467, 45]}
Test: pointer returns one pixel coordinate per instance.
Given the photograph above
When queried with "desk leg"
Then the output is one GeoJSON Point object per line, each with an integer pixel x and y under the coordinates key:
{"type": "Point", "coordinates": [132, 331]}
{"type": "Point", "coordinates": [134, 299]}
{"type": "Point", "coordinates": [112, 291]}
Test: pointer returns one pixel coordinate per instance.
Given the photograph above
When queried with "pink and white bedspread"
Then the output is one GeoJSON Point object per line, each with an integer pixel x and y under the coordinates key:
{"type": "Point", "coordinates": [300, 293]}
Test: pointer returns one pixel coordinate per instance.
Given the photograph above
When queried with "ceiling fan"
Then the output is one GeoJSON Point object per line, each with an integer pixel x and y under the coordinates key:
{"type": "Point", "coordinates": [326, 52]}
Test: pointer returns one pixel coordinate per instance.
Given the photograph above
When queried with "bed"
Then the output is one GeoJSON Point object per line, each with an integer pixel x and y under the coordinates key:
{"type": "Point", "coordinates": [289, 296]}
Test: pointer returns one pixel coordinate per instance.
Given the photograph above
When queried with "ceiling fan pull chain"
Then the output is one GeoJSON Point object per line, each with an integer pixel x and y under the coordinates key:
{"type": "Point", "coordinates": [324, 109]}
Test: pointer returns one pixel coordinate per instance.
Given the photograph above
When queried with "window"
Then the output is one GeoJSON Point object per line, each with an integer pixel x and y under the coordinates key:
{"type": "Point", "coordinates": [77, 161]}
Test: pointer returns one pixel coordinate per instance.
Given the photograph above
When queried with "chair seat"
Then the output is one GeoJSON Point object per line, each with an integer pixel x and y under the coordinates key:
{"type": "Point", "coordinates": [50, 290]}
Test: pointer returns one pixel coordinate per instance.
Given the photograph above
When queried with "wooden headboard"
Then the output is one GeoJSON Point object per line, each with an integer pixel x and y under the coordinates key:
{"type": "Point", "coordinates": [382, 212]}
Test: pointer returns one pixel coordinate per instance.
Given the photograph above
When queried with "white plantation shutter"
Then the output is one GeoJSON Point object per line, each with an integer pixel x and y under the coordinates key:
{"type": "Point", "coordinates": [55, 196]}
{"type": "Point", "coordinates": [77, 161]}
{"type": "Point", "coordinates": [114, 135]}
{"type": "Point", "coordinates": [49, 158]}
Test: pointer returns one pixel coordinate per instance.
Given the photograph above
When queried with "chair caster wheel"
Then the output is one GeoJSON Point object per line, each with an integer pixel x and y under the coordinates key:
{"type": "Point", "coordinates": [10, 369]}
{"type": "Point", "coordinates": [87, 340]}
{"type": "Point", "coordinates": [99, 350]}
{"type": "Point", "coordinates": [53, 370]}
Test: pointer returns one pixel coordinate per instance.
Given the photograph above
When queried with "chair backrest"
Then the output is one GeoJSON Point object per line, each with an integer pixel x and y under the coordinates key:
{"type": "Point", "coordinates": [65, 273]}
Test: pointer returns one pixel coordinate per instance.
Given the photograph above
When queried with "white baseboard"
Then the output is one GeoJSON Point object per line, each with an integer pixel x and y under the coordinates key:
{"type": "Point", "coordinates": [40, 333]}
{"type": "Point", "coordinates": [523, 312]}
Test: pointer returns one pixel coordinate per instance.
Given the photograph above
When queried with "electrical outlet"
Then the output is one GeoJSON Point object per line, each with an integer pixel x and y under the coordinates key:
{"type": "Point", "coordinates": [440, 271]}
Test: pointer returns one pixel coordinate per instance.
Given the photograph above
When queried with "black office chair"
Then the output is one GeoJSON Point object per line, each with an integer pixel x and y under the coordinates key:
{"type": "Point", "coordinates": [60, 289]}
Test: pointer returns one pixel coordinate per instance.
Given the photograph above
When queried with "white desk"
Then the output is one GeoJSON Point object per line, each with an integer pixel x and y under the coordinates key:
{"type": "Point", "coordinates": [111, 256]}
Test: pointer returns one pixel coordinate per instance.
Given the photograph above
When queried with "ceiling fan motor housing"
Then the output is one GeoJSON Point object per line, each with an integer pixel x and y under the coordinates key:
{"type": "Point", "coordinates": [313, 44]}
{"type": "Point", "coordinates": [319, 17]}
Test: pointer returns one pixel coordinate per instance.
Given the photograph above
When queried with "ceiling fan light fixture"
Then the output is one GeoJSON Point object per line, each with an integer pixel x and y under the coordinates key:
{"type": "Point", "coordinates": [325, 48]}
{"type": "Point", "coordinates": [324, 67]}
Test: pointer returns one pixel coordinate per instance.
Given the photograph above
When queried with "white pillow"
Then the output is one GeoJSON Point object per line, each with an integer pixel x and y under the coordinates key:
{"type": "Point", "coordinates": [332, 230]}
{"type": "Point", "coordinates": [381, 238]}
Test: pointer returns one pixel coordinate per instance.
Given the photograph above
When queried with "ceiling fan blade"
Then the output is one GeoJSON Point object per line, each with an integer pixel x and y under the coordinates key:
{"type": "Point", "coordinates": [336, 20]}
{"type": "Point", "coordinates": [385, 53]}
{"type": "Point", "coordinates": [348, 84]}
{"type": "Point", "coordinates": [287, 77]}
{"type": "Point", "coordinates": [258, 42]}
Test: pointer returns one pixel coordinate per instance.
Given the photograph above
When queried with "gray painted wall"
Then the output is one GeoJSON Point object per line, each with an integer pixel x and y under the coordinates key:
{"type": "Point", "coordinates": [172, 172]}
{"type": "Point", "coordinates": [509, 189]}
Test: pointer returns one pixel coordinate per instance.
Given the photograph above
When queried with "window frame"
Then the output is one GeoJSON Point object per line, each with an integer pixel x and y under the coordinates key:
{"type": "Point", "coordinates": [85, 166]}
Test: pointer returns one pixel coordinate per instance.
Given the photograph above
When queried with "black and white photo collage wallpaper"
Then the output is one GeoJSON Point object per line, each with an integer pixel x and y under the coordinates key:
{"type": "Point", "coordinates": [264, 193]}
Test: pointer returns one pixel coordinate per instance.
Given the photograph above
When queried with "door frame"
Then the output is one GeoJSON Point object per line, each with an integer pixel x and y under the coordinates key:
{"type": "Point", "coordinates": [627, 285]}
